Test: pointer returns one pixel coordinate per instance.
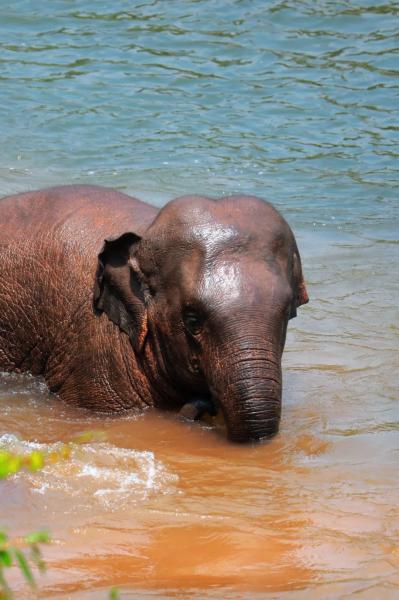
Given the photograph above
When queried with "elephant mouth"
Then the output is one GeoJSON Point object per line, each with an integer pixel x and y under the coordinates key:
{"type": "Point", "coordinates": [207, 405]}
{"type": "Point", "coordinates": [198, 406]}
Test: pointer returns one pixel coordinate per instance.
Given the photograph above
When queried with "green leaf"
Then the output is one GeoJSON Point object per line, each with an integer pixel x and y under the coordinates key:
{"type": "Point", "coordinates": [9, 464]}
{"type": "Point", "coordinates": [38, 537]}
{"type": "Point", "coordinates": [114, 594]}
{"type": "Point", "coordinates": [5, 558]}
{"type": "Point", "coordinates": [3, 537]}
{"type": "Point", "coordinates": [36, 557]}
{"type": "Point", "coordinates": [36, 460]}
{"type": "Point", "coordinates": [25, 568]}
{"type": "Point", "coordinates": [4, 457]}
{"type": "Point", "coordinates": [5, 592]}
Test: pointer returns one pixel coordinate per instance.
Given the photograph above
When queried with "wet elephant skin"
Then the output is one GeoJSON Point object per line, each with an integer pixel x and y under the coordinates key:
{"type": "Point", "coordinates": [120, 305]}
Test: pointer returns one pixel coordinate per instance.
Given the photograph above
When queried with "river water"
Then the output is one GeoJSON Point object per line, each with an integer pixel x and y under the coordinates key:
{"type": "Point", "coordinates": [295, 101]}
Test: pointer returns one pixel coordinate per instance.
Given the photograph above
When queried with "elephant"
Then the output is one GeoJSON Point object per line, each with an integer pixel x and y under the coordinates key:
{"type": "Point", "coordinates": [120, 305]}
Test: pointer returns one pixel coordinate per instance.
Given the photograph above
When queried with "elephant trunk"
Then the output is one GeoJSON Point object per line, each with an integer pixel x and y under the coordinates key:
{"type": "Point", "coordinates": [248, 389]}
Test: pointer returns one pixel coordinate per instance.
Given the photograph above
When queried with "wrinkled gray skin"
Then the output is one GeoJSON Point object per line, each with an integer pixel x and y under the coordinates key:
{"type": "Point", "coordinates": [192, 301]}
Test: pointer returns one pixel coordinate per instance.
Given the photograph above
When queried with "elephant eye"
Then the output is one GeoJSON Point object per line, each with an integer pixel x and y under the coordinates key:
{"type": "Point", "coordinates": [192, 323]}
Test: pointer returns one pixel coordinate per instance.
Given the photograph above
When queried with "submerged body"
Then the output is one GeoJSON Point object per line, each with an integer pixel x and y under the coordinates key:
{"type": "Point", "coordinates": [191, 300]}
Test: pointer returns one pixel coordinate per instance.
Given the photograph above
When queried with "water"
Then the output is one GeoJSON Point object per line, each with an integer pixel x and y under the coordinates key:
{"type": "Point", "coordinates": [295, 101]}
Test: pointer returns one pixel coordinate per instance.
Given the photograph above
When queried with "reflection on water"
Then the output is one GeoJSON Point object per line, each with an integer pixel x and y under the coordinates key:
{"type": "Point", "coordinates": [295, 101]}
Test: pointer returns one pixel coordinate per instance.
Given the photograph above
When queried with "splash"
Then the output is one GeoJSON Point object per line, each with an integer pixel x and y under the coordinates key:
{"type": "Point", "coordinates": [96, 472]}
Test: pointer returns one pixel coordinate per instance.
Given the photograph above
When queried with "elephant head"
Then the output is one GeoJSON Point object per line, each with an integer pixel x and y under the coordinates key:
{"type": "Point", "coordinates": [205, 297]}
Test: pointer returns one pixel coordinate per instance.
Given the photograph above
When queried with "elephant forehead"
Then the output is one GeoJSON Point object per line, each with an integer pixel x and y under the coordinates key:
{"type": "Point", "coordinates": [212, 226]}
{"type": "Point", "coordinates": [232, 281]}
{"type": "Point", "coordinates": [221, 278]}
{"type": "Point", "coordinates": [213, 236]}
{"type": "Point", "coordinates": [206, 239]}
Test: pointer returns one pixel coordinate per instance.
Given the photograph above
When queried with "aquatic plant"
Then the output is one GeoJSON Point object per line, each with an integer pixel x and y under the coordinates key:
{"type": "Point", "coordinates": [22, 551]}
{"type": "Point", "coordinates": [25, 550]}
{"type": "Point", "coordinates": [15, 553]}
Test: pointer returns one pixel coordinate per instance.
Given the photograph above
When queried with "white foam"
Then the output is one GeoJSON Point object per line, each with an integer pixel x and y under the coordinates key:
{"type": "Point", "coordinates": [111, 475]}
{"type": "Point", "coordinates": [8, 439]}
{"type": "Point", "coordinates": [15, 384]}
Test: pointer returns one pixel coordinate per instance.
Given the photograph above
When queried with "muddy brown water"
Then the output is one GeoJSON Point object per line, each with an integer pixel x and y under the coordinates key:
{"type": "Point", "coordinates": [163, 508]}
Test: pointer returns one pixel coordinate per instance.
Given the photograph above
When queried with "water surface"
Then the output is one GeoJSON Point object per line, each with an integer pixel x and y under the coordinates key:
{"type": "Point", "coordinates": [295, 101]}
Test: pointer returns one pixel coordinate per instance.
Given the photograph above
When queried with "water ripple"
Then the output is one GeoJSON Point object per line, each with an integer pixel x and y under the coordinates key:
{"type": "Point", "coordinates": [249, 95]}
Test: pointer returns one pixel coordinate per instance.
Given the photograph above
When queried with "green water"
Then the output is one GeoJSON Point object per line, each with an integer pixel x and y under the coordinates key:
{"type": "Point", "coordinates": [296, 101]}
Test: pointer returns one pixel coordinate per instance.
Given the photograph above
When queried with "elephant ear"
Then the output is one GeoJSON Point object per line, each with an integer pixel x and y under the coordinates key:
{"type": "Point", "coordinates": [300, 291]}
{"type": "Point", "coordinates": [119, 288]}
